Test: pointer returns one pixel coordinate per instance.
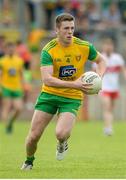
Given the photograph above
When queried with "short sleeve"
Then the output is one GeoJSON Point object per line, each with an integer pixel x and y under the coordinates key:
{"type": "Point", "coordinates": [92, 53]}
{"type": "Point", "coordinates": [45, 58]}
{"type": "Point", "coordinates": [21, 62]}
{"type": "Point", "coordinates": [121, 60]}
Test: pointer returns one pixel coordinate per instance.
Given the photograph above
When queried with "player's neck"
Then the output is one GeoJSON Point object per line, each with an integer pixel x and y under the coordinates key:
{"type": "Point", "coordinates": [63, 44]}
{"type": "Point", "coordinates": [109, 54]}
{"type": "Point", "coordinates": [10, 55]}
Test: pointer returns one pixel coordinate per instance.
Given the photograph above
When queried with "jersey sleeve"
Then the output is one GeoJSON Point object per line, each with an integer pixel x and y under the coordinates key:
{"type": "Point", "coordinates": [45, 58]}
{"type": "Point", "coordinates": [93, 53]}
{"type": "Point", "coordinates": [21, 62]}
{"type": "Point", "coordinates": [121, 60]}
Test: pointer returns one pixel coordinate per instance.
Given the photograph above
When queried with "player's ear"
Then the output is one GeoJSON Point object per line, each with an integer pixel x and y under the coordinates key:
{"type": "Point", "coordinates": [56, 30]}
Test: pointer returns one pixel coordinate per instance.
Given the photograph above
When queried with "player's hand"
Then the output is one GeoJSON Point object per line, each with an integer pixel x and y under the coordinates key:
{"type": "Point", "coordinates": [78, 84]}
{"type": "Point", "coordinates": [86, 88]}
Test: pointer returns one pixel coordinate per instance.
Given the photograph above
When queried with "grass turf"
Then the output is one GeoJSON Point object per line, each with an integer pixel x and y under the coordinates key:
{"type": "Point", "coordinates": [90, 155]}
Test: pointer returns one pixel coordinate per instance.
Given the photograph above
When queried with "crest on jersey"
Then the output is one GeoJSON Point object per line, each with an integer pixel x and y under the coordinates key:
{"type": "Point", "coordinates": [78, 58]}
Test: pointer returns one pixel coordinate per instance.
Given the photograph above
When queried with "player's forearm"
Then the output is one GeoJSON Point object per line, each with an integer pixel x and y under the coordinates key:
{"type": "Point", "coordinates": [101, 68]}
{"type": "Point", "coordinates": [55, 82]}
{"type": "Point", "coordinates": [22, 78]}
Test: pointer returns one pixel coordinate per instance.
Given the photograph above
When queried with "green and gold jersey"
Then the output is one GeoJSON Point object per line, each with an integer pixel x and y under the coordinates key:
{"type": "Point", "coordinates": [68, 64]}
{"type": "Point", "coordinates": [11, 72]}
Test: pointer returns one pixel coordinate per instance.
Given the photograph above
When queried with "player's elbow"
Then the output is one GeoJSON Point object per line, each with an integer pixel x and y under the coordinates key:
{"type": "Point", "coordinates": [47, 81]}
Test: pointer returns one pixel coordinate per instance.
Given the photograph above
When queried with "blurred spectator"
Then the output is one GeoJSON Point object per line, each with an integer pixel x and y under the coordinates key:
{"type": "Point", "coordinates": [31, 11]}
{"type": "Point", "coordinates": [105, 4]}
{"type": "Point", "coordinates": [68, 8]}
{"type": "Point", "coordinates": [122, 6]}
{"type": "Point", "coordinates": [94, 14]}
{"type": "Point", "coordinates": [34, 39]}
{"type": "Point", "coordinates": [111, 16]}
{"type": "Point", "coordinates": [32, 8]}
{"type": "Point", "coordinates": [7, 14]}
{"type": "Point", "coordinates": [24, 53]}
{"type": "Point", "coordinates": [82, 22]}
{"type": "Point", "coordinates": [75, 6]}
{"type": "Point", "coordinates": [2, 46]}
{"type": "Point", "coordinates": [49, 7]}
{"type": "Point", "coordinates": [59, 7]}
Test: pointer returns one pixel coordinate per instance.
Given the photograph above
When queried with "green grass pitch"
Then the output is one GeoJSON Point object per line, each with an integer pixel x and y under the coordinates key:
{"type": "Point", "coordinates": [90, 155]}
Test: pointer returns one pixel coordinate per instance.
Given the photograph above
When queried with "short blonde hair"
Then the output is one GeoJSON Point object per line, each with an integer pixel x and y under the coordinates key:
{"type": "Point", "coordinates": [63, 17]}
{"type": "Point", "coordinates": [108, 41]}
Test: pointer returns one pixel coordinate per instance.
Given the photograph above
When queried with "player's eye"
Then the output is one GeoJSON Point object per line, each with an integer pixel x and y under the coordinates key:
{"type": "Point", "coordinates": [66, 28]}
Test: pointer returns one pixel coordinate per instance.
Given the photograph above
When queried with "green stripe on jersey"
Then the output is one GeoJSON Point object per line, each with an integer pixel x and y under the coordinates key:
{"type": "Point", "coordinates": [81, 44]}
{"type": "Point", "coordinates": [50, 45]}
{"type": "Point", "coordinates": [78, 41]}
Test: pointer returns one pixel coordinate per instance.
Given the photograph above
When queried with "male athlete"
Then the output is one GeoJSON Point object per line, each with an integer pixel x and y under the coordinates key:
{"type": "Point", "coordinates": [62, 64]}
{"type": "Point", "coordinates": [11, 66]}
{"type": "Point", "coordinates": [115, 64]}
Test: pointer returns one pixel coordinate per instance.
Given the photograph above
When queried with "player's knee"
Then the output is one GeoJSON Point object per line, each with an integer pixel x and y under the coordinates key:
{"type": "Point", "coordinates": [32, 139]}
{"type": "Point", "coordinates": [19, 108]}
{"type": "Point", "coordinates": [62, 134]}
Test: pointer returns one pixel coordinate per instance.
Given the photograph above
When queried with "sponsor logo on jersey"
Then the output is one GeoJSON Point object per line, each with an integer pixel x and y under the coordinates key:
{"type": "Point", "coordinates": [66, 71]}
{"type": "Point", "coordinates": [71, 78]}
{"type": "Point", "coordinates": [12, 72]}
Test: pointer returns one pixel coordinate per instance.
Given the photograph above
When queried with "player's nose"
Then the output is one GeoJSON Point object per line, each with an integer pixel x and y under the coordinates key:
{"type": "Point", "coordinates": [70, 31]}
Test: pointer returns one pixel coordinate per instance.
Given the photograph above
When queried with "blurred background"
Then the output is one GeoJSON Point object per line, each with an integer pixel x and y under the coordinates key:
{"type": "Point", "coordinates": [31, 23]}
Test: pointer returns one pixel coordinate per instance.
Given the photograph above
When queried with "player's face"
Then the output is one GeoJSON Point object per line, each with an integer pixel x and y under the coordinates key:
{"type": "Point", "coordinates": [108, 48]}
{"type": "Point", "coordinates": [65, 32]}
{"type": "Point", "coordinates": [10, 50]}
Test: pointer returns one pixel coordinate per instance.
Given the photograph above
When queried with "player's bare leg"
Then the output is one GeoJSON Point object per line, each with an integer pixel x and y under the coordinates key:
{"type": "Point", "coordinates": [64, 126]}
{"type": "Point", "coordinates": [6, 105]}
{"type": "Point", "coordinates": [17, 107]}
{"type": "Point", "coordinates": [108, 114]}
{"type": "Point", "coordinates": [39, 122]}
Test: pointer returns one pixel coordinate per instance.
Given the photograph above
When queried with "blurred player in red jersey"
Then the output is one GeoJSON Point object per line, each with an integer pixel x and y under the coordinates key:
{"type": "Point", "coordinates": [110, 83]}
